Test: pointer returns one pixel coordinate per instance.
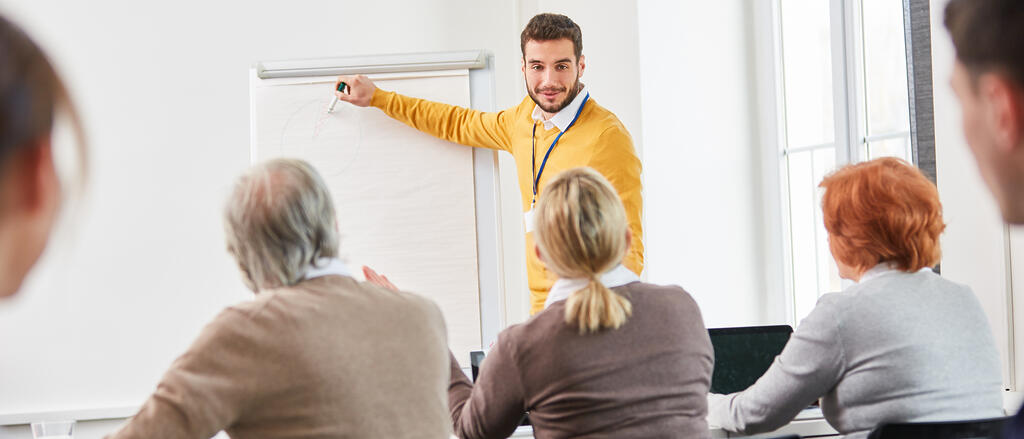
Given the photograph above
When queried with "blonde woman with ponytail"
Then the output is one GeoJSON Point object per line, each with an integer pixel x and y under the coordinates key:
{"type": "Point", "coordinates": [582, 236]}
{"type": "Point", "coordinates": [609, 356]}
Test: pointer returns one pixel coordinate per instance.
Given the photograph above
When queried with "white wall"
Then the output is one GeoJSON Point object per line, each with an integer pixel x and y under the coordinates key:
{"type": "Point", "coordinates": [702, 172]}
{"type": "Point", "coordinates": [974, 244]}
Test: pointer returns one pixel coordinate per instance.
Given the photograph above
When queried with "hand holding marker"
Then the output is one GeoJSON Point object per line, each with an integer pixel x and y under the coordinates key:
{"type": "Point", "coordinates": [341, 89]}
{"type": "Point", "coordinates": [357, 90]}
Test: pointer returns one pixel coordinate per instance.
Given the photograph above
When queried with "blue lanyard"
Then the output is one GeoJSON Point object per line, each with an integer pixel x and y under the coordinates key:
{"type": "Point", "coordinates": [533, 159]}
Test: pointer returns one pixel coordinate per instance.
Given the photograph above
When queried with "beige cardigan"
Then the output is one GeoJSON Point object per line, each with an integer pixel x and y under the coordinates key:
{"type": "Point", "coordinates": [328, 358]}
{"type": "Point", "coordinates": [647, 379]}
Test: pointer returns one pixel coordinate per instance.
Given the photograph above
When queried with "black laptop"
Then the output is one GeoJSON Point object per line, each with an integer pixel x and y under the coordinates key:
{"type": "Point", "coordinates": [743, 354]}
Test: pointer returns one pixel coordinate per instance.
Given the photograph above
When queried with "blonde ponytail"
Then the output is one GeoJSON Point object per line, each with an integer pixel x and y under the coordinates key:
{"type": "Point", "coordinates": [581, 232]}
{"type": "Point", "coordinates": [596, 307]}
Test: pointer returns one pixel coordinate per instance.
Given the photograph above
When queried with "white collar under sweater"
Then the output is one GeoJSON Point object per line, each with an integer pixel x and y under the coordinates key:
{"type": "Point", "coordinates": [326, 267]}
{"type": "Point", "coordinates": [563, 288]}
{"type": "Point", "coordinates": [564, 117]}
{"type": "Point", "coordinates": [883, 269]}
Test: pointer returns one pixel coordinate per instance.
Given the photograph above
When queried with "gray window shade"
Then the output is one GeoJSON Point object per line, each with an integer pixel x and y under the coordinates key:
{"type": "Point", "coordinates": [917, 32]}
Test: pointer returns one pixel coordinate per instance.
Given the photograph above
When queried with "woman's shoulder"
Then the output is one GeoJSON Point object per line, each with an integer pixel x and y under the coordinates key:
{"type": "Point", "coordinates": [655, 292]}
{"type": "Point", "coordinates": [656, 301]}
{"type": "Point", "coordinates": [546, 321]}
{"type": "Point", "coordinates": [924, 281]}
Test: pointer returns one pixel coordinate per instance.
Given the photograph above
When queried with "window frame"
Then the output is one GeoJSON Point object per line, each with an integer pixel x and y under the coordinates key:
{"type": "Point", "coordinates": [851, 140]}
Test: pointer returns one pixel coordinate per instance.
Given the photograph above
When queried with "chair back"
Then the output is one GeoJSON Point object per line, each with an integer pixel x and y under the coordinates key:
{"type": "Point", "coordinates": [972, 429]}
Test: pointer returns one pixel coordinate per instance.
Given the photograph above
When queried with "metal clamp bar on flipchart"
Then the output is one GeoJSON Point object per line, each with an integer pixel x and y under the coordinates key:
{"type": "Point", "coordinates": [394, 63]}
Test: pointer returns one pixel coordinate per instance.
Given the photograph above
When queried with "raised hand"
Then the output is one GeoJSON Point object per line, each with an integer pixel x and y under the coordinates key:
{"type": "Point", "coordinates": [378, 279]}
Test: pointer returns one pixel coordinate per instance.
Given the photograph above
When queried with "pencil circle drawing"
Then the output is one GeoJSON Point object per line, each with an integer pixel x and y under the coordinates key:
{"type": "Point", "coordinates": [329, 141]}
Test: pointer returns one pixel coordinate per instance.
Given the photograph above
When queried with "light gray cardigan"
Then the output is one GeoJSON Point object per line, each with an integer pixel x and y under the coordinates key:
{"type": "Point", "coordinates": [899, 347]}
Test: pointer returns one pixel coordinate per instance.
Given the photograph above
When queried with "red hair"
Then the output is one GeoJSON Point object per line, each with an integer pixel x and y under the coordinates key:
{"type": "Point", "coordinates": [883, 210]}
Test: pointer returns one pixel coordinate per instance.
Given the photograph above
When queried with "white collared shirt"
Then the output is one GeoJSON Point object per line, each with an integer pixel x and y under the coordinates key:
{"type": "Point", "coordinates": [326, 267]}
{"type": "Point", "coordinates": [563, 288]}
{"type": "Point", "coordinates": [883, 269]}
{"type": "Point", "coordinates": [563, 118]}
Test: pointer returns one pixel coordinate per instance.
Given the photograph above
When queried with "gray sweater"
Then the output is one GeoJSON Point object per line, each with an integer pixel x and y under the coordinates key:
{"type": "Point", "coordinates": [900, 347]}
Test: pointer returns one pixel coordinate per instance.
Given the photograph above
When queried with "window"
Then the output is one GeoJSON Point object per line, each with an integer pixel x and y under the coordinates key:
{"type": "Point", "coordinates": [842, 97]}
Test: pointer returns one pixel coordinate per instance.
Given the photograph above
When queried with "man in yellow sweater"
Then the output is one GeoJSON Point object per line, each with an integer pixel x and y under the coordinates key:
{"type": "Point", "coordinates": [558, 127]}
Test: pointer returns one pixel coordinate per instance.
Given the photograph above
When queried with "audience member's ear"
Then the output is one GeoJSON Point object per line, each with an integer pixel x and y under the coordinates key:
{"type": "Point", "coordinates": [1005, 101]}
{"type": "Point", "coordinates": [29, 202]}
{"type": "Point", "coordinates": [33, 185]}
{"type": "Point", "coordinates": [629, 239]}
{"type": "Point", "coordinates": [536, 250]}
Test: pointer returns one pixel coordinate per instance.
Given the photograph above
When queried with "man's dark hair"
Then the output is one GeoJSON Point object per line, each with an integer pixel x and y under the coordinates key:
{"type": "Point", "coordinates": [547, 27]}
{"type": "Point", "coordinates": [988, 36]}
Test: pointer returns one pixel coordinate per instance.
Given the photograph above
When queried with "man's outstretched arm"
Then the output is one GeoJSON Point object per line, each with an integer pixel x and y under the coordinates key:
{"type": "Point", "coordinates": [449, 122]}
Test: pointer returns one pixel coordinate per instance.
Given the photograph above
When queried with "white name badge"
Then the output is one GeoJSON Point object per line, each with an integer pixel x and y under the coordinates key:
{"type": "Point", "coordinates": [528, 220]}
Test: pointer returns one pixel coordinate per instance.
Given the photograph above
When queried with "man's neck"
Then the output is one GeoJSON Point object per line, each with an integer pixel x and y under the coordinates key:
{"type": "Point", "coordinates": [545, 115]}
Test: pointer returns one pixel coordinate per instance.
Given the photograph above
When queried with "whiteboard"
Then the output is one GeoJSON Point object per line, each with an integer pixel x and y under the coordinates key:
{"type": "Point", "coordinates": [405, 200]}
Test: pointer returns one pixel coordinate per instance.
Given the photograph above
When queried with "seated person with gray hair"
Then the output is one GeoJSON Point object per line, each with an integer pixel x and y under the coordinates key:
{"type": "Point", "coordinates": [316, 353]}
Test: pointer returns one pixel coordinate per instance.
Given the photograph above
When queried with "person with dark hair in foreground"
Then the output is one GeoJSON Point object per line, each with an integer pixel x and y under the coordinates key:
{"type": "Point", "coordinates": [32, 96]}
{"type": "Point", "coordinates": [988, 78]}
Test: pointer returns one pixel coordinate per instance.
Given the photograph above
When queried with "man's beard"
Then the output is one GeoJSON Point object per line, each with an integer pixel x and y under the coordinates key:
{"type": "Point", "coordinates": [554, 108]}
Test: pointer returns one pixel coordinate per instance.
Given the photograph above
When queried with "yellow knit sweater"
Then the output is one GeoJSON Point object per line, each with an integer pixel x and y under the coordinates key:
{"type": "Point", "coordinates": [597, 140]}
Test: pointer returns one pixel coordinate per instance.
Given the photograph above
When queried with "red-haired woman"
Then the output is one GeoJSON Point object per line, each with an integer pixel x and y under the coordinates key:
{"type": "Point", "coordinates": [902, 344]}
